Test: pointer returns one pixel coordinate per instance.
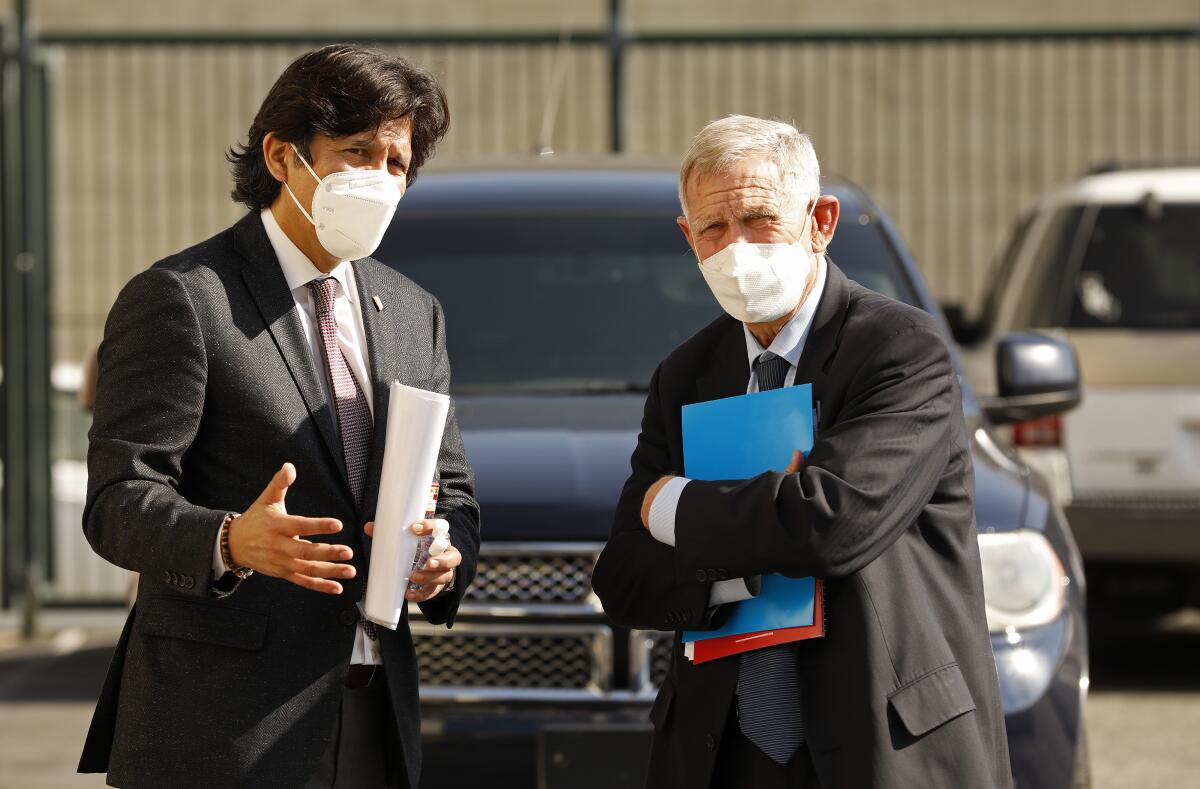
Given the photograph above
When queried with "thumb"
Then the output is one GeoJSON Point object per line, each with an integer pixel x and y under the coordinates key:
{"type": "Point", "coordinates": [796, 464]}
{"type": "Point", "coordinates": [277, 488]}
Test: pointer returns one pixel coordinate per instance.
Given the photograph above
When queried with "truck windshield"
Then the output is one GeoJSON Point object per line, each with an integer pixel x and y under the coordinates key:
{"type": "Point", "coordinates": [1139, 269]}
{"type": "Point", "coordinates": [551, 303]}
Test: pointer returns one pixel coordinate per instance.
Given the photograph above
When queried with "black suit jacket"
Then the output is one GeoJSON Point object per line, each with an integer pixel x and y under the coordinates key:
{"type": "Point", "coordinates": [206, 387]}
{"type": "Point", "coordinates": [902, 690]}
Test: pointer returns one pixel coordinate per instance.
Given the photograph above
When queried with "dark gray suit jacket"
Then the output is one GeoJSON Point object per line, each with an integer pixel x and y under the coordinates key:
{"type": "Point", "coordinates": [206, 387]}
{"type": "Point", "coordinates": [902, 691]}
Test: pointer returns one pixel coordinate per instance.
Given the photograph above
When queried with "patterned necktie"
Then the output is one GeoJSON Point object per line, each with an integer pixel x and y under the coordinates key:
{"type": "Point", "coordinates": [350, 404]}
{"type": "Point", "coordinates": [353, 415]}
{"type": "Point", "coordinates": [768, 690]}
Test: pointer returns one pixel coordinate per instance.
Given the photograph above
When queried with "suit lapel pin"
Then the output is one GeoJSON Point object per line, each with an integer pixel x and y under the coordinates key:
{"type": "Point", "coordinates": [378, 304]}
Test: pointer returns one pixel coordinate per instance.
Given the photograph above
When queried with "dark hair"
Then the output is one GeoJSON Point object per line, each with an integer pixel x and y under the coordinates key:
{"type": "Point", "coordinates": [336, 91]}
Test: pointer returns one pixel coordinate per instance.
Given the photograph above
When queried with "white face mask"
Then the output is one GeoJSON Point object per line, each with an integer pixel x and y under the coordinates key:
{"type": "Point", "coordinates": [757, 283]}
{"type": "Point", "coordinates": [351, 209]}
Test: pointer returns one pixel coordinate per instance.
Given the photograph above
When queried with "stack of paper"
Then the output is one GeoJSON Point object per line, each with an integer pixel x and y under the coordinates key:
{"type": "Point", "coordinates": [739, 438]}
{"type": "Point", "coordinates": [415, 423]}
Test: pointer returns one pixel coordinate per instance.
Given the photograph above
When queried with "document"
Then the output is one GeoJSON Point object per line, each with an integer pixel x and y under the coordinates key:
{"type": "Point", "coordinates": [739, 438]}
{"type": "Point", "coordinates": [415, 423]}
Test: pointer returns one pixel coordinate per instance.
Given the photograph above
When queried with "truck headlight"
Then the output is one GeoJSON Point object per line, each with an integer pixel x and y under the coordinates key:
{"type": "Point", "coordinates": [1024, 584]}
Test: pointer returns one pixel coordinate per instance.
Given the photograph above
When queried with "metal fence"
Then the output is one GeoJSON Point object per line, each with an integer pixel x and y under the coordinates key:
{"type": "Point", "coordinates": [952, 133]}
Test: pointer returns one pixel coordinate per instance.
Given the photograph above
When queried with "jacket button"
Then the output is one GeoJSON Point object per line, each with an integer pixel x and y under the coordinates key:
{"type": "Point", "coordinates": [722, 573]}
{"type": "Point", "coordinates": [166, 577]}
{"type": "Point", "coordinates": [348, 617]}
{"type": "Point", "coordinates": [189, 582]}
{"type": "Point", "coordinates": [710, 742]}
{"type": "Point", "coordinates": [701, 575]}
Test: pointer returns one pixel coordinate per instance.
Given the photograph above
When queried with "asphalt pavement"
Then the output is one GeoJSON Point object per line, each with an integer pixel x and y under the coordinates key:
{"type": "Point", "coordinates": [1143, 713]}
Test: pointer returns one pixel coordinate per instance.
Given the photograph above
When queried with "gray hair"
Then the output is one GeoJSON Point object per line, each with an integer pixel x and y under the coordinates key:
{"type": "Point", "coordinates": [724, 142]}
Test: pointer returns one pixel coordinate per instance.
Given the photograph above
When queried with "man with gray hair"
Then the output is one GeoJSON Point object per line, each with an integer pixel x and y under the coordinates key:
{"type": "Point", "coordinates": [901, 691]}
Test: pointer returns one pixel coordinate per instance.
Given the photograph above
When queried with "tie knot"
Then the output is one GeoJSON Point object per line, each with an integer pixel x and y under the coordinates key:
{"type": "Point", "coordinates": [324, 290]}
{"type": "Point", "coordinates": [772, 371]}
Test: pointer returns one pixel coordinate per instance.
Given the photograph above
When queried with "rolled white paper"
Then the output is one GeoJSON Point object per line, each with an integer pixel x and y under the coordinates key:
{"type": "Point", "coordinates": [416, 421]}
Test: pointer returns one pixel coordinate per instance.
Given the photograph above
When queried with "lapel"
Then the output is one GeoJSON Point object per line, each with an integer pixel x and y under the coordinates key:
{"type": "Point", "coordinates": [384, 339]}
{"type": "Point", "coordinates": [819, 347]}
{"type": "Point", "coordinates": [264, 278]}
{"type": "Point", "coordinates": [729, 370]}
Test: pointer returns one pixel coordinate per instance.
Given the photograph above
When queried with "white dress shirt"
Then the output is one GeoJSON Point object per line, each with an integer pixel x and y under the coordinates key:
{"type": "Point", "coordinates": [298, 270]}
{"type": "Point", "coordinates": [789, 344]}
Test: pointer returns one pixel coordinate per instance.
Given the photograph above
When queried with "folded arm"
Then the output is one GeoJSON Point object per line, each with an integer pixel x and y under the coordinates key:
{"type": "Point", "coordinates": [635, 575]}
{"type": "Point", "coordinates": [866, 480]}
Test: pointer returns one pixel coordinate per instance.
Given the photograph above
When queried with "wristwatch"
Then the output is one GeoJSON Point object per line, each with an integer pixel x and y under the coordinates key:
{"type": "Point", "coordinates": [226, 555]}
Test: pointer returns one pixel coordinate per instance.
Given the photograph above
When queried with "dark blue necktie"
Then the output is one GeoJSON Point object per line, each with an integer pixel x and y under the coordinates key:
{"type": "Point", "coordinates": [768, 692]}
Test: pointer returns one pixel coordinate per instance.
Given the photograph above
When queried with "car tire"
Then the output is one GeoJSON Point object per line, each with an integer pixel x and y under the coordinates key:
{"type": "Point", "coordinates": [1083, 765]}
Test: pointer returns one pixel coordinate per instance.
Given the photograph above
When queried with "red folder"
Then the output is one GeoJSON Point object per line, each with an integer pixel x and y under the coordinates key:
{"type": "Point", "coordinates": [713, 648]}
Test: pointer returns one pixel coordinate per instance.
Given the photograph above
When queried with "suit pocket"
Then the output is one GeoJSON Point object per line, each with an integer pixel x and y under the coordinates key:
{"type": "Point", "coordinates": [932, 700]}
{"type": "Point", "coordinates": [206, 622]}
{"type": "Point", "coordinates": [662, 704]}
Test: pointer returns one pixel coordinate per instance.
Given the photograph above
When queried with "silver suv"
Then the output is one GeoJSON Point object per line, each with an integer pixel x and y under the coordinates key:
{"type": "Point", "coordinates": [1111, 263]}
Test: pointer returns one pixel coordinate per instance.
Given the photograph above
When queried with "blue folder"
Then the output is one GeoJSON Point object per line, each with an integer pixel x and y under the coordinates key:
{"type": "Point", "coordinates": [739, 438]}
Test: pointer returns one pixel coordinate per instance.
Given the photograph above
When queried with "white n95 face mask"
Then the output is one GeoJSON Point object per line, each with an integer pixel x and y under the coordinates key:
{"type": "Point", "coordinates": [756, 283]}
{"type": "Point", "coordinates": [351, 209]}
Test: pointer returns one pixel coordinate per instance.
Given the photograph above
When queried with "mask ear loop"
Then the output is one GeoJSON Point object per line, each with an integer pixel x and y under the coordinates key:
{"type": "Point", "coordinates": [811, 215]}
{"type": "Point", "coordinates": [312, 172]}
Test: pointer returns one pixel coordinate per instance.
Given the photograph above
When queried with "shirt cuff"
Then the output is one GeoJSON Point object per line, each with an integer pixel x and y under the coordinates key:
{"type": "Point", "coordinates": [733, 590]}
{"type": "Point", "coordinates": [662, 511]}
{"type": "Point", "coordinates": [218, 564]}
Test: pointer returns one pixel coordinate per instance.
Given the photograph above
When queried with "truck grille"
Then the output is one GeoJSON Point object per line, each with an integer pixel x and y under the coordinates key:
{"type": "Point", "coordinates": [544, 574]}
{"type": "Point", "coordinates": [650, 658]}
{"type": "Point", "coordinates": [504, 658]}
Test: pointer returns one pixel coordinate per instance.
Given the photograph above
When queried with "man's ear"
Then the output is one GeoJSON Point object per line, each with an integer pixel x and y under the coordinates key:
{"type": "Point", "coordinates": [275, 152]}
{"type": "Point", "coordinates": [825, 219]}
{"type": "Point", "coordinates": [687, 231]}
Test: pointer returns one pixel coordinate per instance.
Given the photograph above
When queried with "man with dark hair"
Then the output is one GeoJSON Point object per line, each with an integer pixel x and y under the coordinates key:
{"type": "Point", "coordinates": [262, 357]}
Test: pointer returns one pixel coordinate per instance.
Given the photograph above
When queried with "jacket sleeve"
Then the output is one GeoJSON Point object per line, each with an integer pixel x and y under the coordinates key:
{"type": "Point", "coordinates": [456, 497]}
{"type": "Point", "coordinates": [149, 400]}
{"type": "Point", "coordinates": [635, 575]}
{"type": "Point", "coordinates": [867, 479]}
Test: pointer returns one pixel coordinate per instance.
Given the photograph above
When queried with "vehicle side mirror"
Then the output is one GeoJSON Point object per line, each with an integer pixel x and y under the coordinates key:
{"type": "Point", "coordinates": [964, 330]}
{"type": "Point", "coordinates": [1036, 376]}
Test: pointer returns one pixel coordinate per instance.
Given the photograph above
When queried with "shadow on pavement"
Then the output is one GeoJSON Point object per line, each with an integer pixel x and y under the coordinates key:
{"type": "Point", "coordinates": [45, 676]}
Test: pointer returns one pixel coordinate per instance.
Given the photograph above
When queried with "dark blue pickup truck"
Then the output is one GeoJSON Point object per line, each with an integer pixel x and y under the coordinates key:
{"type": "Point", "coordinates": [563, 288]}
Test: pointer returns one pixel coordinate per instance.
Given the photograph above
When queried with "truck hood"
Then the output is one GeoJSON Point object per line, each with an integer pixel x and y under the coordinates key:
{"type": "Point", "coordinates": [549, 467]}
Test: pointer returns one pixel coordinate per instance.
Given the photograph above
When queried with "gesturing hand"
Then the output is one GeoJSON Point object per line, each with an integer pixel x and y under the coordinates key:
{"type": "Point", "coordinates": [268, 540]}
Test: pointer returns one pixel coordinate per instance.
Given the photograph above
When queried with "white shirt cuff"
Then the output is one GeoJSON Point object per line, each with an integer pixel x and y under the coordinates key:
{"type": "Point", "coordinates": [733, 590]}
{"type": "Point", "coordinates": [218, 563]}
{"type": "Point", "coordinates": [662, 511]}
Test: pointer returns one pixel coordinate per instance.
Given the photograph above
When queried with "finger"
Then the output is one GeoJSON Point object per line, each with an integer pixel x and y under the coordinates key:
{"type": "Point", "coordinates": [320, 552]}
{"type": "Point", "coordinates": [277, 488]}
{"type": "Point", "coordinates": [796, 464]}
{"type": "Point", "coordinates": [369, 529]}
{"type": "Point", "coordinates": [298, 526]}
{"type": "Point", "coordinates": [323, 569]}
{"type": "Point", "coordinates": [448, 559]}
{"type": "Point", "coordinates": [431, 577]}
{"type": "Point", "coordinates": [422, 594]}
{"type": "Point", "coordinates": [316, 584]}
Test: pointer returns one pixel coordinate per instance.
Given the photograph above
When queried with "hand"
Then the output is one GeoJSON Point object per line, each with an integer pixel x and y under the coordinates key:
{"type": "Point", "coordinates": [268, 540]}
{"type": "Point", "coordinates": [796, 464]}
{"type": "Point", "coordinates": [439, 570]}
{"type": "Point", "coordinates": [648, 499]}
